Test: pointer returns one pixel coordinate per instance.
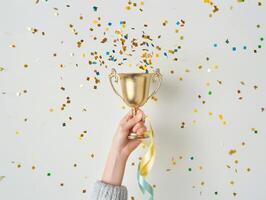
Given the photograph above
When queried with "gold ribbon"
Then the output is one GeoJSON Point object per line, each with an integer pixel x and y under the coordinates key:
{"type": "Point", "coordinates": [146, 162]}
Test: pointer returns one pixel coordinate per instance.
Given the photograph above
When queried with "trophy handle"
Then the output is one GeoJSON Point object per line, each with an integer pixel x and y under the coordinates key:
{"type": "Point", "coordinates": [111, 76]}
{"type": "Point", "coordinates": [158, 75]}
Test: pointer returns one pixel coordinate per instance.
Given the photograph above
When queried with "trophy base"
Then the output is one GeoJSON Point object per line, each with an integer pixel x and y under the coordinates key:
{"type": "Point", "coordinates": [134, 136]}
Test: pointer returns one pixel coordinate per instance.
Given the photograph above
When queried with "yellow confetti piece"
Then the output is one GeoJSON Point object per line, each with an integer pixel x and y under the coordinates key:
{"type": "Point", "coordinates": [2, 177]}
{"type": "Point", "coordinates": [232, 151]}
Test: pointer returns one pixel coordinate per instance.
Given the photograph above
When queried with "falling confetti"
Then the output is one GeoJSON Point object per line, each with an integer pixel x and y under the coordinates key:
{"type": "Point", "coordinates": [2, 178]}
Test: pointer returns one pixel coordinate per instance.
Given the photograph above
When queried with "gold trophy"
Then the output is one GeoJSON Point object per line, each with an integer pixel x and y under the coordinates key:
{"type": "Point", "coordinates": [135, 90]}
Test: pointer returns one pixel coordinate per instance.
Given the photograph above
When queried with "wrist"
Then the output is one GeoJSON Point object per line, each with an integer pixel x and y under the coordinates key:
{"type": "Point", "coordinates": [114, 168]}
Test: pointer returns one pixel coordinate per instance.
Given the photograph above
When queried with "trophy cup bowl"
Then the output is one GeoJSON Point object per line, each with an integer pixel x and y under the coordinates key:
{"type": "Point", "coordinates": [135, 90]}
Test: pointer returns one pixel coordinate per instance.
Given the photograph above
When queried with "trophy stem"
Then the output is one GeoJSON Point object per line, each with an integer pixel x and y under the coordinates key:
{"type": "Point", "coordinates": [134, 111]}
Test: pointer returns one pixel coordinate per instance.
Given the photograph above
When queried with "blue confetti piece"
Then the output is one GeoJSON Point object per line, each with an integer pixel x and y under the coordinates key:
{"type": "Point", "coordinates": [97, 73]}
{"type": "Point", "coordinates": [109, 23]}
{"type": "Point", "coordinates": [107, 53]}
{"type": "Point", "coordinates": [95, 8]}
{"type": "Point", "coordinates": [215, 45]}
{"type": "Point", "coordinates": [165, 54]}
{"type": "Point", "coordinates": [234, 48]}
{"type": "Point", "coordinates": [177, 23]}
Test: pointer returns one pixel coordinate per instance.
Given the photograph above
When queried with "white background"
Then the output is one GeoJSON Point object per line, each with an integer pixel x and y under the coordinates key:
{"type": "Point", "coordinates": [43, 142]}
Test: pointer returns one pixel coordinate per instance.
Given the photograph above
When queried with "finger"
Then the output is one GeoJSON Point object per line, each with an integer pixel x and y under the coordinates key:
{"type": "Point", "coordinates": [141, 131]}
{"type": "Point", "coordinates": [143, 117]}
{"type": "Point", "coordinates": [137, 126]}
{"type": "Point", "coordinates": [126, 117]}
{"type": "Point", "coordinates": [133, 121]}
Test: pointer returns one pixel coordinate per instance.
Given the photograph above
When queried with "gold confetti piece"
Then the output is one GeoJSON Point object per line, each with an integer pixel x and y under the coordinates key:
{"type": "Point", "coordinates": [2, 68]}
{"type": "Point", "coordinates": [1, 178]}
{"type": "Point", "coordinates": [81, 136]}
{"type": "Point", "coordinates": [200, 167]}
{"type": "Point", "coordinates": [232, 151]}
{"type": "Point", "coordinates": [154, 98]}
{"type": "Point", "coordinates": [232, 182]}
{"type": "Point", "coordinates": [173, 161]}
{"type": "Point", "coordinates": [12, 46]}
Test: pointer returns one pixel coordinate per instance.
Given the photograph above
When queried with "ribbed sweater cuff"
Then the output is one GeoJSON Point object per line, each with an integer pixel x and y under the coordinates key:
{"type": "Point", "coordinates": [104, 191]}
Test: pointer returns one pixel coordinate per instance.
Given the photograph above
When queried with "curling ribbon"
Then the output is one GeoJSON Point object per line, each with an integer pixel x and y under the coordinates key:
{"type": "Point", "coordinates": [146, 163]}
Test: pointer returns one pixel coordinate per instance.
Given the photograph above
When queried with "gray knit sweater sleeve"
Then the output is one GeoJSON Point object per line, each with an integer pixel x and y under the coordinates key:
{"type": "Point", "coordinates": [104, 191]}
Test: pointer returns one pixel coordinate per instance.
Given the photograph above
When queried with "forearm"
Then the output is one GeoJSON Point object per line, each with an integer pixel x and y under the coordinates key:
{"type": "Point", "coordinates": [114, 169]}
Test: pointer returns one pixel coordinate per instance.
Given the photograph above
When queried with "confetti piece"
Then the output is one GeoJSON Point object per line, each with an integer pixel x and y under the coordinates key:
{"type": "Point", "coordinates": [2, 178]}
{"type": "Point", "coordinates": [254, 130]}
{"type": "Point", "coordinates": [2, 68]}
{"type": "Point", "coordinates": [232, 152]}
{"type": "Point", "coordinates": [95, 8]}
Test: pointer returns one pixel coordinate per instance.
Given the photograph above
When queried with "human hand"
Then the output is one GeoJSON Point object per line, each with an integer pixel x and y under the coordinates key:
{"type": "Point", "coordinates": [128, 124]}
